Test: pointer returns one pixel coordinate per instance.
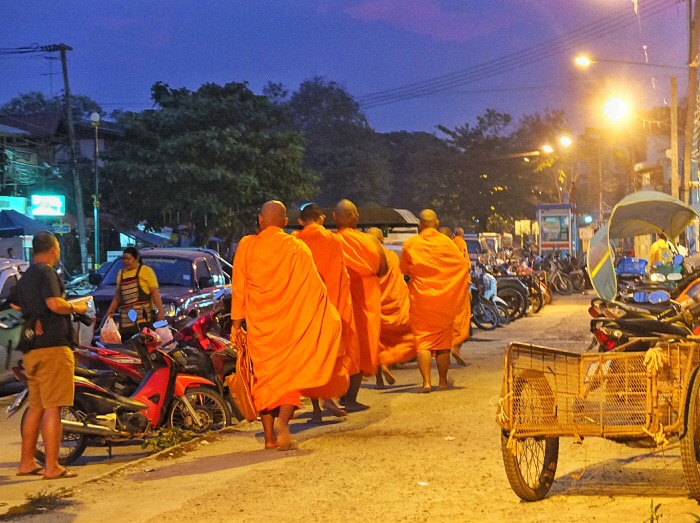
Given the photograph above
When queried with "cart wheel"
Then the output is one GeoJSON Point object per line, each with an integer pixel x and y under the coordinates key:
{"type": "Point", "coordinates": [690, 443]}
{"type": "Point", "coordinates": [532, 467]}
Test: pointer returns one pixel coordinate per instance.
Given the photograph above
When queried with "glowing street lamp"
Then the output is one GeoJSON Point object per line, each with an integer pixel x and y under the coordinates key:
{"type": "Point", "coordinates": [548, 149]}
{"type": "Point", "coordinates": [565, 141]}
{"type": "Point", "coordinates": [616, 109]}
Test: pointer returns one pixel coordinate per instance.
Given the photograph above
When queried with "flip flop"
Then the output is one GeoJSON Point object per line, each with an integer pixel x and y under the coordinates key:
{"type": "Point", "coordinates": [388, 376]}
{"type": "Point", "coordinates": [66, 474]}
{"type": "Point", "coordinates": [36, 472]}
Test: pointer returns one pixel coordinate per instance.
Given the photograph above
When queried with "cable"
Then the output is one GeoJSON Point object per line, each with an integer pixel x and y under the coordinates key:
{"type": "Point", "coordinates": [511, 61]}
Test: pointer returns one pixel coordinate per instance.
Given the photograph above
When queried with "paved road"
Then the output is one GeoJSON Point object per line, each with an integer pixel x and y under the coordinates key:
{"type": "Point", "coordinates": [411, 457]}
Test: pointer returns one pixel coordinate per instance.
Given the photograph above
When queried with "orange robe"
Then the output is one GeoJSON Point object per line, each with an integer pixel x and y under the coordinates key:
{"type": "Point", "coordinates": [293, 329]}
{"type": "Point", "coordinates": [460, 331]}
{"type": "Point", "coordinates": [439, 280]}
{"type": "Point", "coordinates": [462, 246]}
{"type": "Point", "coordinates": [327, 252]}
{"type": "Point", "coordinates": [396, 341]}
{"type": "Point", "coordinates": [362, 258]}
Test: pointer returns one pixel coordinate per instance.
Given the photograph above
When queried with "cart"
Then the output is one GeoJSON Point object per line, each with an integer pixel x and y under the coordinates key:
{"type": "Point", "coordinates": [643, 399]}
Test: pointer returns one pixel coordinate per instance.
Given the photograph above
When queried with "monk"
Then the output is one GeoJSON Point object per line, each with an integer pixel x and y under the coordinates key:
{"type": "Point", "coordinates": [439, 280]}
{"type": "Point", "coordinates": [459, 241]}
{"type": "Point", "coordinates": [293, 329]}
{"type": "Point", "coordinates": [366, 262]}
{"type": "Point", "coordinates": [396, 341]}
{"type": "Point", "coordinates": [327, 252]}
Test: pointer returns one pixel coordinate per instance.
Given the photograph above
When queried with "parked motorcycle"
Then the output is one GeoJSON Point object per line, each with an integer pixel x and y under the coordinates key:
{"type": "Point", "coordinates": [167, 396]}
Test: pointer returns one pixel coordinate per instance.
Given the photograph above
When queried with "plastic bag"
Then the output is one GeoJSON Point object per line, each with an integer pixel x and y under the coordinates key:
{"type": "Point", "coordinates": [166, 336]}
{"type": "Point", "coordinates": [110, 333]}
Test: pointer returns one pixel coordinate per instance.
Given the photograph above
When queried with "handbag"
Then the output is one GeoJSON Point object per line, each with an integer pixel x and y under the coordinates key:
{"type": "Point", "coordinates": [240, 383]}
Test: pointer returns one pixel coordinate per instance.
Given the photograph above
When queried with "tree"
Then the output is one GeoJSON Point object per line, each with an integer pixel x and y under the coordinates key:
{"type": "Point", "coordinates": [349, 156]}
{"type": "Point", "coordinates": [210, 156]}
{"type": "Point", "coordinates": [35, 102]}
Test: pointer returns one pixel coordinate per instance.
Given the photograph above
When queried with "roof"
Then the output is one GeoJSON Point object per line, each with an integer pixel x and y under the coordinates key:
{"type": "Point", "coordinates": [9, 130]}
{"type": "Point", "coordinates": [148, 238]}
{"type": "Point", "coordinates": [42, 125]}
{"type": "Point", "coordinates": [369, 217]}
{"type": "Point", "coordinates": [174, 252]}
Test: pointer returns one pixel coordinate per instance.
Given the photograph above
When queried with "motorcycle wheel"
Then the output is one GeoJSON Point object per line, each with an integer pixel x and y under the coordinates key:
{"type": "Point", "coordinates": [485, 315]}
{"type": "Point", "coordinates": [503, 315]}
{"type": "Point", "coordinates": [578, 282]}
{"type": "Point", "coordinates": [209, 406]}
{"type": "Point", "coordinates": [562, 284]}
{"type": "Point", "coordinates": [73, 444]}
{"type": "Point", "coordinates": [690, 443]}
{"type": "Point", "coordinates": [515, 301]}
{"type": "Point", "coordinates": [536, 299]}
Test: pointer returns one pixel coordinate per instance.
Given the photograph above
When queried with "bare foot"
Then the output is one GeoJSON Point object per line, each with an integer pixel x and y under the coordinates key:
{"type": "Point", "coordinates": [284, 437]}
{"type": "Point", "coordinates": [388, 376]}
{"type": "Point", "coordinates": [315, 420]}
{"type": "Point", "coordinates": [355, 406]}
{"type": "Point", "coordinates": [330, 406]}
{"type": "Point", "coordinates": [379, 386]}
{"type": "Point", "coordinates": [425, 390]}
{"type": "Point", "coordinates": [455, 354]}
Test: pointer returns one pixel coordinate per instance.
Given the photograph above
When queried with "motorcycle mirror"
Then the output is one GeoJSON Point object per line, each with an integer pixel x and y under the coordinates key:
{"type": "Point", "coordinates": [674, 276]}
{"type": "Point", "coordinates": [132, 315]}
{"type": "Point", "coordinates": [157, 324]}
{"type": "Point", "coordinates": [657, 277]}
{"type": "Point", "coordinates": [659, 297]}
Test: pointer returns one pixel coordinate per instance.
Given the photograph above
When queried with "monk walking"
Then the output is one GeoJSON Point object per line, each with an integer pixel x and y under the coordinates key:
{"type": "Point", "coordinates": [396, 341]}
{"type": "Point", "coordinates": [366, 262]}
{"type": "Point", "coordinates": [293, 329]}
{"type": "Point", "coordinates": [327, 252]}
{"type": "Point", "coordinates": [439, 279]}
{"type": "Point", "coordinates": [462, 324]}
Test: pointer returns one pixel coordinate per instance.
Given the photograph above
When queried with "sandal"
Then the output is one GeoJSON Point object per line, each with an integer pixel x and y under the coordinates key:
{"type": "Point", "coordinates": [39, 471]}
{"type": "Point", "coordinates": [66, 474]}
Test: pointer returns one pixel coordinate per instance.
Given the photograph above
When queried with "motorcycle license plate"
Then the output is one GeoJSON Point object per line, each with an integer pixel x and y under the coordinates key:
{"type": "Point", "coordinates": [17, 403]}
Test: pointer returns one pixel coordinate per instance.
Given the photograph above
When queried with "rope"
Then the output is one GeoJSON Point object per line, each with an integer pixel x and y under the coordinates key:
{"type": "Point", "coordinates": [655, 359]}
{"type": "Point", "coordinates": [573, 475]}
{"type": "Point", "coordinates": [514, 444]}
{"type": "Point", "coordinates": [659, 438]}
{"type": "Point", "coordinates": [501, 415]}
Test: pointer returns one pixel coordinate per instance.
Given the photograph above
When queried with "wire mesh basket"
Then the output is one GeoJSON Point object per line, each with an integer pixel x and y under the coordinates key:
{"type": "Point", "coordinates": [616, 395]}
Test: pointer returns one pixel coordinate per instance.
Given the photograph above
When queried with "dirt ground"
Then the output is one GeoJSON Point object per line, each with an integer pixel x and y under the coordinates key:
{"type": "Point", "coordinates": [411, 458]}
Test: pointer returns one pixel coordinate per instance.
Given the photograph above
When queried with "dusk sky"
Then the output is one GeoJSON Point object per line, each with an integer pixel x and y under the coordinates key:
{"type": "Point", "coordinates": [122, 47]}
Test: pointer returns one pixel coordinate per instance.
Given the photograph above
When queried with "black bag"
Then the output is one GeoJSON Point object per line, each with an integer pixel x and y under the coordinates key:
{"type": "Point", "coordinates": [27, 337]}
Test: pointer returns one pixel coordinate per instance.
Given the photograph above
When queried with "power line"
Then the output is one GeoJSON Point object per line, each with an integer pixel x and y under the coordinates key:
{"type": "Point", "coordinates": [514, 60]}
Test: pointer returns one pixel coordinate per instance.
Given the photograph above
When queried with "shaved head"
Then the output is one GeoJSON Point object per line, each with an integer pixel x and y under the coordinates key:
{"type": "Point", "coordinates": [377, 233]}
{"type": "Point", "coordinates": [272, 214]}
{"type": "Point", "coordinates": [311, 213]}
{"type": "Point", "coordinates": [346, 215]}
{"type": "Point", "coordinates": [459, 231]}
{"type": "Point", "coordinates": [428, 219]}
{"type": "Point", "coordinates": [447, 232]}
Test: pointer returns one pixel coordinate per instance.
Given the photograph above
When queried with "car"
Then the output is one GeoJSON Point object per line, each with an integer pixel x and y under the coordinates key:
{"type": "Point", "coordinates": [188, 279]}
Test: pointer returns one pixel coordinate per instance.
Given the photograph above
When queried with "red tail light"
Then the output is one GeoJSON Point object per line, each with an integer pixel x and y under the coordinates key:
{"type": "Point", "coordinates": [594, 312]}
{"type": "Point", "coordinates": [607, 342]}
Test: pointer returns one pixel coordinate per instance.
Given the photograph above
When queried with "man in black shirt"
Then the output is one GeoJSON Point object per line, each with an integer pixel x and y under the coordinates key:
{"type": "Point", "coordinates": [48, 359]}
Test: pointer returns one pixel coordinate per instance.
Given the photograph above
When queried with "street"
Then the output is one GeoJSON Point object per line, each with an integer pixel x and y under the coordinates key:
{"type": "Point", "coordinates": [411, 457]}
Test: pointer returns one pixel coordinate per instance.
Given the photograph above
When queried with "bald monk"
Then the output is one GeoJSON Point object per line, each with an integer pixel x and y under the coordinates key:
{"type": "Point", "coordinates": [293, 329]}
{"type": "Point", "coordinates": [366, 262]}
{"type": "Point", "coordinates": [438, 282]}
{"type": "Point", "coordinates": [327, 252]}
{"type": "Point", "coordinates": [396, 341]}
{"type": "Point", "coordinates": [459, 241]}
{"type": "Point", "coordinates": [447, 232]}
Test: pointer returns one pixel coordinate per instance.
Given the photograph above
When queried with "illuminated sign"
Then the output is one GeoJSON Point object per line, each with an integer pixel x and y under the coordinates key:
{"type": "Point", "coordinates": [47, 205]}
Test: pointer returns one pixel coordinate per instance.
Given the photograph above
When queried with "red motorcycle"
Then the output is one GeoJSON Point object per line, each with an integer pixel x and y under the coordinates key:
{"type": "Point", "coordinates": [167, 396]}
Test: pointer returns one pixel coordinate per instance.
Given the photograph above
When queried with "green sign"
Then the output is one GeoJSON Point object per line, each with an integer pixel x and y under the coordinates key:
{"type": "Point", "coordinates": [61, 228]}
{"type": "Point", "coordinates": [47, 205]}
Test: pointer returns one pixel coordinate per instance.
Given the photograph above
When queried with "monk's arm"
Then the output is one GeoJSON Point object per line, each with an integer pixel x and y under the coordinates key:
{"type": "Point", "coordinates": [238, 309]}
{"type": "Point", "coordinates": [383, 265]}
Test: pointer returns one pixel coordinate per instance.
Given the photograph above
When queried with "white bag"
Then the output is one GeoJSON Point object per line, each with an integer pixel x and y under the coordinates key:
{"type": "Point", "coordinates": [166, 336]}
{"type": "Point", "coordinates": [110, 333]}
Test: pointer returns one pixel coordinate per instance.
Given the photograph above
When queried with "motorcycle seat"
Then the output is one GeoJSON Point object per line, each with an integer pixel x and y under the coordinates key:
{"type": "Point", "coordinates": [651, 325]}
{"type": "Point", "coordinates": [91, 374]}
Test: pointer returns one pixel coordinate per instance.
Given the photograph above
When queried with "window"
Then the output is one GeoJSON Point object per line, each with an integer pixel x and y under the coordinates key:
{"type": "Point", "coordinates": [10, 282]}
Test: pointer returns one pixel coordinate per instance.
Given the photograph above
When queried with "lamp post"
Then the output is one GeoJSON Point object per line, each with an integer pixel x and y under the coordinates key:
{"type": "Point", "coordinates": [95, 118]}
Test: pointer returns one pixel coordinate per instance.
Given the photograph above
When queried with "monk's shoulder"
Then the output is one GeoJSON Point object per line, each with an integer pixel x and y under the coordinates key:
{"type": "Point", "coordinates": [411, 242]}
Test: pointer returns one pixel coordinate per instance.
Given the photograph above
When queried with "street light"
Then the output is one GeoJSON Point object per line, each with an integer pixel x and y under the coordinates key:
{"type": "Point", "coordinates": [585, 61]}
{"type": "Point", "coordinates": [616, 109]}
{"type": "Point", "coordinates": [95, 118]}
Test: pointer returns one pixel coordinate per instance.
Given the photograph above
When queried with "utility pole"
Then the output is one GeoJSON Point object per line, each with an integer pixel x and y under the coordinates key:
{"type": "Point", "coordinates": [674, 137]}
{"type": "Point", "coordinates": [692, 100]}
{"type": "Point", "coordinates": [79, 209]}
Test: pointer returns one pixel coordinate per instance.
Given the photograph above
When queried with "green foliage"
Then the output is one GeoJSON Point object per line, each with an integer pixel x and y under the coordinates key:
{"type": "Point", "coordinates": [167, 437]}
{"type": "Point", "coordinates": [211, 156]}
{"type": "Point", "coordinates": [349, 156]}
{"type": "Point", "coordinates": [35, 102]}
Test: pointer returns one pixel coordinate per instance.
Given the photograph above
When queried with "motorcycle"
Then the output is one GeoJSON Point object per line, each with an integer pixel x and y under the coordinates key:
{"type": "Point", "coordinates": [484, 312]}
{"type": "Point", "coordinates": [166, 397]}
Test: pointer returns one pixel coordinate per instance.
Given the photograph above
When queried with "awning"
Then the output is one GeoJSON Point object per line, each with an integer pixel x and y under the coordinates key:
{"type": "Point", "coordinates": [13, 223]}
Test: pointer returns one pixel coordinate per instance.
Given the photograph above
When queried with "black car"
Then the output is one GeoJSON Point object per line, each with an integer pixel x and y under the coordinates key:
{"type": "Point", "coordinates": [188, 279]}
